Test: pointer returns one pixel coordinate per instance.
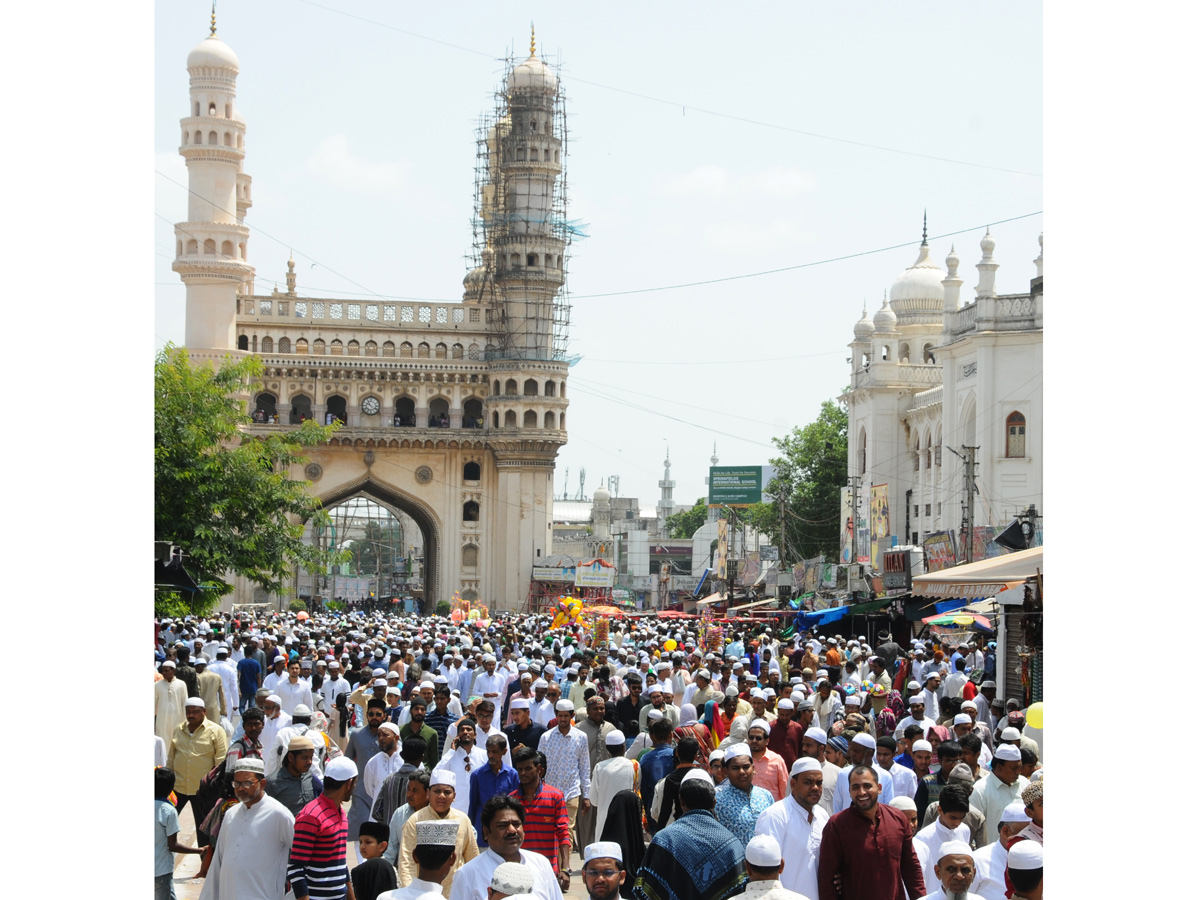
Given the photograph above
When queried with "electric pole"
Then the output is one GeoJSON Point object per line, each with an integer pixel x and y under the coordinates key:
{"type": "Point", "coordinates": [969, 501]}
{"type": "Point", "coordinates": [854, 485]}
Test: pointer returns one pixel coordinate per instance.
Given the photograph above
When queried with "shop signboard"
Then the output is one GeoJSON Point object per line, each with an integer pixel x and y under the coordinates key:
{"type": "Point", "coordinates": [554, 573]}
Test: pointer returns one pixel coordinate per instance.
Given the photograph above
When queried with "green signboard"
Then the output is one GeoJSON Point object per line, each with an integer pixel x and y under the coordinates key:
{"type": "Point", "coordinates": [735, 485]}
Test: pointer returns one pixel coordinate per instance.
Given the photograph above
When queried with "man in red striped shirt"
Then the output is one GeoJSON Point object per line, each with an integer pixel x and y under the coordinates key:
{"type": "Point", "coordinates": [547, 826]}
{"type": "Point", "coordinates": [317, 864]}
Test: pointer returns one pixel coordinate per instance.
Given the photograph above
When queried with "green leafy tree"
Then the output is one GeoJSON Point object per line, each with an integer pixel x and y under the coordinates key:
{"type": "Point", "coordinates": [226, 497]}
{"type": "Point", "coordinates": [809, 477]}
{"type": "Point", "coordinates": [685, 524]}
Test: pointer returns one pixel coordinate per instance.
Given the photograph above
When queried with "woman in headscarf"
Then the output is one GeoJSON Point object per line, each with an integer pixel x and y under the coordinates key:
{"type": "Point", "coordinates": [936, 735]}
{"type": "Point", "coordinates": [624, 826]}
{"type": "Point", "coordinates": [712, 721]}
{"type": "Point", "coordinates": [689, 726]}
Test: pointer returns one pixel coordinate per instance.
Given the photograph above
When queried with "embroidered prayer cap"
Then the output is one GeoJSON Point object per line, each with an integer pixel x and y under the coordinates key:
{"type": "Point", "coordinates": [249, 764]}
{"type": "Point", "coordinates": [1008, 752]}
{"type": "Point", "coordinates": [916, 700]}
{"type": "Point", "coordinates": [817, 734]}
{"type": "Point", "coordinates": [914, 686]}
{"type": "Point", "coordinates": [854, 700]}
{"type": "Point", "coordinates": [300, 742]}
{"type": "Point", "coordinates": [1015, 813]}
{"type": "Point", "coordinates": [443, 777]}
{"type": "Point", "coordinates": [1025, 855]}
{"type": "Point", "coordinates": [614, 739]}
{"type": "Point", "coordinates": [763, 851]}
{"type": "Point", "coordinates": [654, 715]}
{"type": "Point", "coordinates": [195, 701]}
{"type": "Point", "coordinates": [602, 850]}
{"type": "Point", "coordinates": [438, 833]}
{"type": "Point", "coordinates": [512, 878]}
{"type": "Point", "coordinates": [341, 769]}
{"type": "Point", "coordinates": [954, 848]}
{"type": "Point", "coordinates": [805, 764]}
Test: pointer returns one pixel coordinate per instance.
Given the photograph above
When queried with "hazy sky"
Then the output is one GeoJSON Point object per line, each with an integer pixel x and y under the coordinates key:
{"type": "Point", "coordinates": [704, 143]}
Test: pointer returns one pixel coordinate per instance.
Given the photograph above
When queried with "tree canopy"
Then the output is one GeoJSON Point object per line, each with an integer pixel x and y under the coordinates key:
{"type": "Point", "coordinates": [226, 497]}
{"type": "Point", "coordinates": [685, 524]}
{"type": "Point", "coordinates": [810, 473]}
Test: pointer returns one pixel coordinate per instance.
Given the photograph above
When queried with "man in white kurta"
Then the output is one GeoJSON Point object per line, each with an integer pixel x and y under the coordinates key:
{"type": "Point", "coordinates": [383, 763]}
{"type": "Point", "coordinates": [991, 860]}
{"type": "Point", "coordinates": [610, 776]}
{"type": "Point", "coordinates": [931, 838]}
{"type": "Point", "coordinates": [472, 880]}
{"type": "Point", "coordinates": [228, 672]}
{"type": "Point", "coordinates": [170, 697]}
{"type": "Point", "coordinates": [1003, 786]}
{"type": "Point", "coordinates": [796, 823]}
{"type": "Point", "coordinates": [764, 862]}
{"type": "Point", "coordinates": [251, 854]}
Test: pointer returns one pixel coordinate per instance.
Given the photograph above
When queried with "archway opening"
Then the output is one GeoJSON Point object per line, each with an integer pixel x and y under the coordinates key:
{"type": "Point", "coordinates": [301, 409]}
{"type": "Point", "coordinates": [264, 408]}
{"type": "Point", "coordinates": [335, 410]}
{"type": "Point", "coordinates": [439, 413]}
{"type": "Point", "coordinates": [406, 413]}
{"type": "Point", "coordinates": [473, 414]}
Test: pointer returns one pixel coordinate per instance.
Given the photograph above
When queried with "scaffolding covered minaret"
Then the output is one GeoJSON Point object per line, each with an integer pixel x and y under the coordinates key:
{"type": "Point", "coordinates": [521, 231]}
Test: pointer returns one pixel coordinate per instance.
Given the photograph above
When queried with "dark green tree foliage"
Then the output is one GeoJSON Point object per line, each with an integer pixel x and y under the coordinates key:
{"type": "Point", "coordinates": [225, 497]}
{"type": "Point", "coordinates": [685, 524]}
{"type": "Point", "coordinates": [810, 475]}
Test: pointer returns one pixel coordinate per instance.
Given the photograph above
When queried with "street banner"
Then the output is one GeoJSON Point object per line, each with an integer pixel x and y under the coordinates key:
{"type": "Point", "coordinates": [880, 524]}
{"type": "Point", "coordinates": [722, 548]}
{"type": "Point", "coordinates": [939, 551]}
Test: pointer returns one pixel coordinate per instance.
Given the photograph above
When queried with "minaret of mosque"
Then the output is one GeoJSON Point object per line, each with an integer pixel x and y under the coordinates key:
{"type": "Point", "coordinates": [210, 247]}
{"type": "Point", "coordinates": [530, 243]}
{"type": "Point", "coordinates": [666, 501]}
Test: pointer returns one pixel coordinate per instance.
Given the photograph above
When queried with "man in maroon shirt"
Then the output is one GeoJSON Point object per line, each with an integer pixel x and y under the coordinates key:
{"type": "Point", "coordinates": [786, 734]}
{"type": "Point", "coordinates": [867, 849]}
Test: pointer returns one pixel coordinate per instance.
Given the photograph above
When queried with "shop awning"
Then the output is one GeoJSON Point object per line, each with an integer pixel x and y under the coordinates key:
{"type": "Point", "coordinates": [711, 598]}
{"type": "Point", "coordinates": [734, 609]}
{"type": "Point", "coordinates": [985, 578]}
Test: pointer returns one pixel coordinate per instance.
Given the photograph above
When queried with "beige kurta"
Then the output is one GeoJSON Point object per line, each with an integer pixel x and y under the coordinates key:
{"type": "Point", "coordinates": [467, 848]}
{"type": "Point", "coordinates": [212, 692]}
{"type": "Point", "coordinates": [169, 700]}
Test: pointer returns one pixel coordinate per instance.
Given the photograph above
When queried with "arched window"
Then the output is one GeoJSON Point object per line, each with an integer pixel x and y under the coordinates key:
{"type": "Point", "coordinates": [495, 420]}
{"type": "Point", "coordinates": [531, 260]}
{"type": "Point", "coordinates": [264, 407]}
{"type": "Point", "coordinates": [197, 138]}
{"type": "Point", "coordinates": [531, 388]}
{"type": "Point", "coordinates": [243, 342]}
{"type": "Point", "coordinates": [520, 154]}
{"type": "Point", "coordinates": [335, 410]}
{"type": "Point", "coordinates": [514, 260]}
{"type": "Point", "coordinates": [473, 413]}
{"type": "Point", "coordinates": [549, 388]}
{"type": "Point", "coordinates": [883, 352]}
{"type": "Point", "coordinates": [422, 350]}
{"type": "Point", "coordinates": [456, 352]}
{"type": "Point", "coordinates": [318, 347]}
{"type": "Point", "coordinates": [335, 347]}
{"type": "Point", "coordinates": [904, 355]}
{"type": "Point", "coordinates": [548, 420]}
{"type": "Point", "coordinates": [371, 349]}
{"type": "Point", "coordinates": [470, 556]}
{"type": "Point", "coordinates": [916, 456]}
{"type": "Point", "coordinates": [530, 420]}
{"type": "Point", "coordinates": [470, 511]}
{"type": "Point", "coordinates": [439, 413]}
{"type": "Point", "coordinates": [228, 139]}
{"type": "Point", "coordinates": [285, 345]}
{"type": "Point", "coordinates": [212, 138]}
{"type": "Point", "coordinates": [533, 155]}
{"type": "Point", "coordinates": [193, 247]}
{"type": "Point", "coordinates": [406, 413]}
{"type": "Point", "coordinates": [510, 419]}
{"type": "Point", "coordinates": [389, 349]}
{"type": "Point", "coordinates": [927, 355]}
{"type": "Point", "coordinates": [562, 421]}
{"type": "Point", "coordinates": [510, 386]}
{"type": "Point", "coordinates": [229, 110]}
{"type": "Point", "coordinates": [439, 352]}
{"type": "Point", "coordinates": [301, 345]}
{"type": "Point", "coordinates": [473, 351]}
{"type": "Point", "coordinates": [352, 348]}
{"type": "Point", "coordinates": [406, 350]}
{"type": "Point", "coordinates": [301, 409]}
{"type": "Point", "coordinates": [227, 249]}
{"type": "Point", "coordinates": [197, 112]}
{"type": "Point", "coordinates": [268, 345]}
{"type": "Point", "coordinates": [210, 247]}
{"type": "Point", "coordinates": [212, 109]}
{"type": "Point", "coordinates": [471, 471]}
{"type": "Point", "coordinates": [1014, 447]}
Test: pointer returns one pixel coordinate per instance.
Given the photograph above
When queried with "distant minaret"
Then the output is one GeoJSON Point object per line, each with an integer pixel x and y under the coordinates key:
{"type": "Point", "coordinates": [210, 247]}
{"type": "Point", "coordinates": [712, 510]}
{"type": "Point", "coordinates": [666, 501]}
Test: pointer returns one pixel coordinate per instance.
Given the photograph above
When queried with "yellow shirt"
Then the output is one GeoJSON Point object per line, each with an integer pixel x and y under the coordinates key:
{"type": "Point", "coordinates": [466, 847]}
{"type": "Point", "coordinates": [193, 755]}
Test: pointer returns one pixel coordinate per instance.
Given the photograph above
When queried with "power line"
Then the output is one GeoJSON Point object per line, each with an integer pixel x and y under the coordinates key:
{"type": "Point", "coordinates": [685, 107]}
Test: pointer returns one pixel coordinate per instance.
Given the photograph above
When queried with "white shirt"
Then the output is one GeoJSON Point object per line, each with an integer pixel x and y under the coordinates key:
{"type": "Point", "coordinates": [329, 690]}
{"type": "Point", "coordinates": [379, 767]}
{"type": "Point", "coordinates": [455, 761]}
{"type": "Point", "coordinates": [799, 839]}
{"type": "Point", "coordinates": [273, 679]}
{"type": "Point", "coordinates": [272, 727]}
{"type": "Point", "coordinates": [991, 862]}
{"type": "Point", "coordinates": [925, 723]}
{"type": "Point", "coordinates": [274, 753]}
{"type": "Point", "coordinates": [490, 684]}
{"type": "Point", "coordinates": [933, 709]}
{"type": "Point", "coordinates": [904, 781]}
{"type": "Point", "coordinates": [932, 836]}
{"type": "Point", "coordinates": [160, 751]}
{"type": "Point", "coordinates": [953, 685]}
{"type": "Point", "coordinates": [250, 859]}
{"type": "Point", "coordinates": [990, 796]}
{"type": "Point", "coordinates": [415, 889]}
{"type": "Point", "coordinates": [608, 777]}
{"type": "Point", "coordinates": [473, 879]}
{"type": "Point", "coordinates": [768, 890]}
{"type": "Point", "coordinates": [292, 695]}
{"type": "Point", "coordinates": [228, 673]}
{"type": "Point", "coordinates": [542, 712]}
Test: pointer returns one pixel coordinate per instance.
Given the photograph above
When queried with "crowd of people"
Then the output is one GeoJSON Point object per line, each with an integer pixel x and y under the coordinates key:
{"type": "Point", "coordinates": [383, 757]}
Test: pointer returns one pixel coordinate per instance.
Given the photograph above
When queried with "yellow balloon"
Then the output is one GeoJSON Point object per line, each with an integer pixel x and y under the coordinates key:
{"type": "Point", "coordinates": [1033, 716]}
{"type": "Point", "coordinates": [669, 645]}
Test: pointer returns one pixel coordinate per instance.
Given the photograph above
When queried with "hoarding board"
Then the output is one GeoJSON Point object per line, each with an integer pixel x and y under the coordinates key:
{"type": "Point", "coordinates": [735, 485]}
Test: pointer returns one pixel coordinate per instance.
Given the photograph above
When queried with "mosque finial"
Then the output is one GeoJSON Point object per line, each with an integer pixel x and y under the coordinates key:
{"type": "Point", "coordinates": [925, 228]}
{"type": "Point", "coordinates": [212, 29]}
{"type": "Point", "coordinates": [532, 41]}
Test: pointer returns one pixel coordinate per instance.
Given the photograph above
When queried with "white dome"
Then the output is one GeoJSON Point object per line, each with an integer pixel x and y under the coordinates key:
{"type": "Point", "coordinates": [885, 319]}
{"type": "Point", "coordinates": [601, 494]}
{"type": "Point", "coordinates": [533, 73]}
{"type": "Point", "coordinates": [920, 281]}
{"type": "Point", "coordinates": [212, 52]}
{"type": "Point", "coordinates": [863, 329]}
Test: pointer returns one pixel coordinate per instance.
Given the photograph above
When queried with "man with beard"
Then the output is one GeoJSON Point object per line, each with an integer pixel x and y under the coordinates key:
{"type": "Point", "coordinates": [603, 870]}
{"type": "Point", "coordinates": [596, 730]}
{"type": "Point", "coordinates": [362, 746]}
{"type": "Point", "coordinates": [797, 822]}
{"type": "Point", "coordinates": [1003, 786]}
{"type": "Point", "coordinates": [503, 820]}
{"type": "Point", "coordinates": [954, 871]}
{"type": "Point", "coordinates": [416, 727]}
{"type": "Point", "coordinates": [383, 763]}
{"type": "Point", "coordinates": [275, 719]}
{"type": "Point", "coordinates": [252, 849]}
{"type": "Point", "coordinates": [294, 784]}
{"type": "Point", "coordinates": [953, 804]}
{"type": "Point", "coordinates": [629, 708]}
{"type": "Point", "coordinates": [196, 747]}
{"type": "Point", "coordinates": [463, 757]}
{"type": "Point", "coordinates": [813, 745]}
{"type": "Point", "coordinates": [868, 830]}
{"type": "Point", "coordinates": [862, 753]}
{"type": "Point", "coordinates": [786, 733]}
